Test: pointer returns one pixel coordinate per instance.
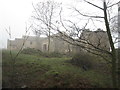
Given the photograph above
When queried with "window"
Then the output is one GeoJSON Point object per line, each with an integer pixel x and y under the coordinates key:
{"type": "Point", "coordinates": [30, 43]}
{"type": "Point", "coordinates": [45, 47]}
{"type": "Point", "coordinates": [119, 9]}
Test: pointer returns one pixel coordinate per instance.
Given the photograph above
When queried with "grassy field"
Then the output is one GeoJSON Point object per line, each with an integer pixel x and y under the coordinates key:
{"type": "Point", "coordinates": [42, 72]}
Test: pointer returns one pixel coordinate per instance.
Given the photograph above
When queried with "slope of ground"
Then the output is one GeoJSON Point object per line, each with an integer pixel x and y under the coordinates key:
{"type": "Point", "coordinates": [40, 72]}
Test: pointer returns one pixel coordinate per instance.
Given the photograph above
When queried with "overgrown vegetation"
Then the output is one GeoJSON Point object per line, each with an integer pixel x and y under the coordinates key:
{"type": "Point", "coordinates": [83, 60]}
{"type": "Point", "coordinates": [34, 71]}
{"type": "Point", "coordinates": [88, 61]}
{"type": "Point", "coordinates": [32, 51]}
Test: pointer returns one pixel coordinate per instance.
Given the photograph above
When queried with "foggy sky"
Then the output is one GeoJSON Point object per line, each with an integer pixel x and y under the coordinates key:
{"type": "Point", "coordinates": [17, 13]}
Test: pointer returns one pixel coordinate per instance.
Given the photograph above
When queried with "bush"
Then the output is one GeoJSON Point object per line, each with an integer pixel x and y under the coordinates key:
{"type": "Point", "coordinates": [83, 60]}
{"type": "Point", "coordinates": [31, 51]}
{"type": "Point", "coordinates": [52, 54]}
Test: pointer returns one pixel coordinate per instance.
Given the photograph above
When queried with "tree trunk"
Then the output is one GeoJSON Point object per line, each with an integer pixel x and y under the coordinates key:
{"type": "Point", "coordinates": [114, 75]}
{"type": "Point", "coordinates": [118, 68]}
{"type": "Point", "coordinates": [49, 41]}
{"type": "Point", "coordinates": [114, 69]}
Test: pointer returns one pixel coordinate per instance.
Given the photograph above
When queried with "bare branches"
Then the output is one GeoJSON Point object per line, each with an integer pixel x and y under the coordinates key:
{"type": "Point", "coordinates": [93, 4]}
{"type": "Point", "coordinates": [25, 39]}
{"type": "Point", "coordinates": [92, 50]}
{"type": "Point", "coordinates": [62, 21]}
{"type": "Point", "coordinates": [35, 10]}
{"type": "Point", "coordinates": [45, 14]}
{"type": "Point", "coordinates": [80, 41]}
{"type": "Point", "coordinates": [9, 33]}
{"type": "Point", "coordinates": [15, 57]}
{"type": "Point", "coordinates": [113, 4]}
{"type": "Point", "coordinates": [87, 15]}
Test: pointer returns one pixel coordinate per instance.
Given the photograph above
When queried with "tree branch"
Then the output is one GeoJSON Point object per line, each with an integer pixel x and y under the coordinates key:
{"type": "Point", "coordinates": [113, 4]}
{"type": "Point", "coordinates": [93, 4]}
{"type": "Point", "coordinates": [87, 15]}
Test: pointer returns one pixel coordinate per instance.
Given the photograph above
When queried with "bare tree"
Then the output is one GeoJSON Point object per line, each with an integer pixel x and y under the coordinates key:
{"type": "Point", "coordinates": [13, 58]}
{"type": "Point", "coordinates": [45, 14]}
{"type": "Point", "coordinates": [74, 36]}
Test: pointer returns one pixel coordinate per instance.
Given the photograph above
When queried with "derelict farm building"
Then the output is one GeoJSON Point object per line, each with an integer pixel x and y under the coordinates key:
{"type": "Point", "coordinates": [40, 43]}
{"type": "Point", "coordinates": [97, 38]}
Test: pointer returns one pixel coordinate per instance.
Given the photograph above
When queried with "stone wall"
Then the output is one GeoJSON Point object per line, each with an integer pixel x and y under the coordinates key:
{"type": "Point", "coordinates": [59, 45]}
{"type": "Point", "coordinates": [97, 38]}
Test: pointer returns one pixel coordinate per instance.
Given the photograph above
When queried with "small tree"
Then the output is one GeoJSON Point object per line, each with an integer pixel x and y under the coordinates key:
{"type": "Point", "coordinates": [13, 58]}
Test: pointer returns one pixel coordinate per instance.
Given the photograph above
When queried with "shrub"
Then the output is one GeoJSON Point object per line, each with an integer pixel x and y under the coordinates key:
{"type": "Point", "coordinates": [53, 54]}
{"type": "Point", "coordinates": [31, 51]}
{"type": "Point", "coordinates": [83, 60]}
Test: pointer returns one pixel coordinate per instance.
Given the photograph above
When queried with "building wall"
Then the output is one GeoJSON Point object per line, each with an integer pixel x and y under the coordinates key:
{"type": "Point", "coordinates": [59, 45]}
{"type": "Point", "coordinates": [14, 44]}
{"type": "Point", "coordinates": [97, 38]}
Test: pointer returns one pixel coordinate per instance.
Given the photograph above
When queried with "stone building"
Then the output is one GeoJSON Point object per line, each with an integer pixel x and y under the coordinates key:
{"type": "Point", "coordinates": [97, 38]}
{"type": "Point", "coordinates": [40, 43]}
{"type": "Point", "coordinates": [58, 44]}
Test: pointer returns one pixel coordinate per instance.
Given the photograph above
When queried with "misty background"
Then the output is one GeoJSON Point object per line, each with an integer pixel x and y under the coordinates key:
{"type": "Point", "coordinates": [16, 14]}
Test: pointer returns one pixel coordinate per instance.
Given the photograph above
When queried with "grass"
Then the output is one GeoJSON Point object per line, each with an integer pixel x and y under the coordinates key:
{"type": "Point", "coordinates": [42, 72]}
